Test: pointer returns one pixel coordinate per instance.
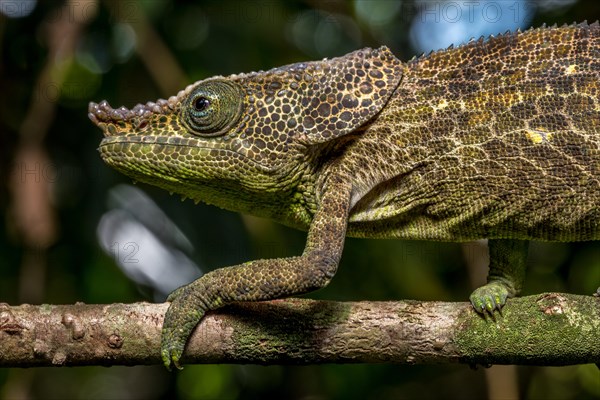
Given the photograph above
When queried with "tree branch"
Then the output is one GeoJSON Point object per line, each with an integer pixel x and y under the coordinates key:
{"type": "Point", "coordinates": [546, 329]}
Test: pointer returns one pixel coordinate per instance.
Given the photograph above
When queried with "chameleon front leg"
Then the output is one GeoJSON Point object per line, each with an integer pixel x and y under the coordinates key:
{"type": "Point", "coordinates": [508, 259]}
{"type": "Point", "coordinates": [262, 279]}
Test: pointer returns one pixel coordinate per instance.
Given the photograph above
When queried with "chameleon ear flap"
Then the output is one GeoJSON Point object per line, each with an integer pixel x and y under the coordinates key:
{"type": "Point", "coordinates": [343, 93]}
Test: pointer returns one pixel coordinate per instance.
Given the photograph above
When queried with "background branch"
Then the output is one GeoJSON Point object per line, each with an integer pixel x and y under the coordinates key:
{"type": "Point", "coordinates": [546, 329]}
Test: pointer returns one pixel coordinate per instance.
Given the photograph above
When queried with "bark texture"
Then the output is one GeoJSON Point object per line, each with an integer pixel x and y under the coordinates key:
{"type": "Point", "coordinates": [545, 329]}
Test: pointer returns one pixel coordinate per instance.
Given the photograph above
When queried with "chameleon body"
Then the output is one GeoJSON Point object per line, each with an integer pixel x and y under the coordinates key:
{"type": "Point", "coordinates": [497, 139]}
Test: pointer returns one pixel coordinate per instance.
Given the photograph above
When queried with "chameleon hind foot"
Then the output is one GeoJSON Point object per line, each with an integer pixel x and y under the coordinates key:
{"type": "Point", "coordinates": [490, 297]}
{"type": "Point", "coordinates": [505, 278]}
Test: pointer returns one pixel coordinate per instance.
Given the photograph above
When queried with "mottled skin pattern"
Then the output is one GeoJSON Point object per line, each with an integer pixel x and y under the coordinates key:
{"type": "Point", "coordinates": [497, 139]}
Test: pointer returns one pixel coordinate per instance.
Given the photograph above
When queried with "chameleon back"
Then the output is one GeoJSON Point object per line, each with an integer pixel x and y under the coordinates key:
{"type": "Point", "coordinates": [494, 139]}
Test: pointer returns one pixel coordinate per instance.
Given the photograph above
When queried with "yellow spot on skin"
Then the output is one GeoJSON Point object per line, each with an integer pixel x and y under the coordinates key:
{"type": "Point", "coordinates": [442, 104]}
{"type": "Point", "coordinates": [571, 69]}
{"type": "Point", "coordinates": [480, 118]}
{"type": "Point", "coordinates": [538, 136]}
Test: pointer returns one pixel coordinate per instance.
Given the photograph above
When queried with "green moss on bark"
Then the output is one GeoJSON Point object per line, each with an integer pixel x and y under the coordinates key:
{"type": "Point", "coordinates": [552, 326]}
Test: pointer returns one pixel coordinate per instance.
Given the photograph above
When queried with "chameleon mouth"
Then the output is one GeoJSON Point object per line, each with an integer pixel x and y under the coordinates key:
{"type": "Point", "coordinates": [172, 151]}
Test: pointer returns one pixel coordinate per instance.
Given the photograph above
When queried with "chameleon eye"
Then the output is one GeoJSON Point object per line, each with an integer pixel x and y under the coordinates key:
{"type": "Point", "coordinates": [201, 104]}
{"type": "Point", "coordinates": [213, 107]}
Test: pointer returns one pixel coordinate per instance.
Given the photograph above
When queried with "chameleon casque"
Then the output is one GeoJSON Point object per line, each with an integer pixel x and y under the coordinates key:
{"type": "Point", "coordinates": [497, 139]}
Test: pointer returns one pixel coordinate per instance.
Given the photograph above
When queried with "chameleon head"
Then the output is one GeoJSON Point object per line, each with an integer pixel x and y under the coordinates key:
{"type": "Point", "coordinates": [233, 140]}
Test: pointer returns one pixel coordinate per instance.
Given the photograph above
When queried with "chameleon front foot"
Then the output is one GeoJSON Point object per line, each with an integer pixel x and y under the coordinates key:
{"type": "Point", "coordinates": [181, 318]}
{"type": "Point", "coordinates": [490, 297]}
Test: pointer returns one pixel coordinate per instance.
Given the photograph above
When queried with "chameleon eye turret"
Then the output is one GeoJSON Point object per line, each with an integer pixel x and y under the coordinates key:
{"type": "Point", "coordinates": [213, 107]}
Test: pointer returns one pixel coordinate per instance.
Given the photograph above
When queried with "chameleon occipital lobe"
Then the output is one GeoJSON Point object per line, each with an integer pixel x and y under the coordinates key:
{"type": "Point", "coordinates": [498, 139]}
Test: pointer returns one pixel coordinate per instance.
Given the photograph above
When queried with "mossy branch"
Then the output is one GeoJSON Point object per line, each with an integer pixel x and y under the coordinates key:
{"type": "Point", "coordinates": [546, 329]}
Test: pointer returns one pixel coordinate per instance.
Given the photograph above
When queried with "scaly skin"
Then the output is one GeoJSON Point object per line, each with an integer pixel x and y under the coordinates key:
{"type": "Point", "coordinates": [497, 139]}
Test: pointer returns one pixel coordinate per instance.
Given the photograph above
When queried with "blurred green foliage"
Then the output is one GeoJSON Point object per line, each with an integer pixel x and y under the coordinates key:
{"type": "Point", "coordinates": [218, 38]}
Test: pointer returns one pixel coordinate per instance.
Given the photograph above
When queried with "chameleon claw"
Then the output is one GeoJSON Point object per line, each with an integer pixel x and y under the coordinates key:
{"type": "Point", "coordinates": [171, 357]}
{"type": "Point", "coordinates": [478, 306]}
{"type": "Point", "coordinates": [175, 359]}
{"type": "Point", "coordinates": [499, 307]}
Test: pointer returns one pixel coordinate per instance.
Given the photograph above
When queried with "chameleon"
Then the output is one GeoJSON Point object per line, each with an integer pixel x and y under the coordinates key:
{"type": "Point", "coordinates": [496, 139]}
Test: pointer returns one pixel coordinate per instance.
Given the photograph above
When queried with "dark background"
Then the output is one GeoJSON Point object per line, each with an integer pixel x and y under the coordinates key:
{"type": "Point", "coordinates": [73, 233]}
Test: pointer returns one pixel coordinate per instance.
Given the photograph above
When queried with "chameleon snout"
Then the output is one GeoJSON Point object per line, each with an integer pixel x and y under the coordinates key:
{"type": "Point", "coordinates": [119, 121]}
